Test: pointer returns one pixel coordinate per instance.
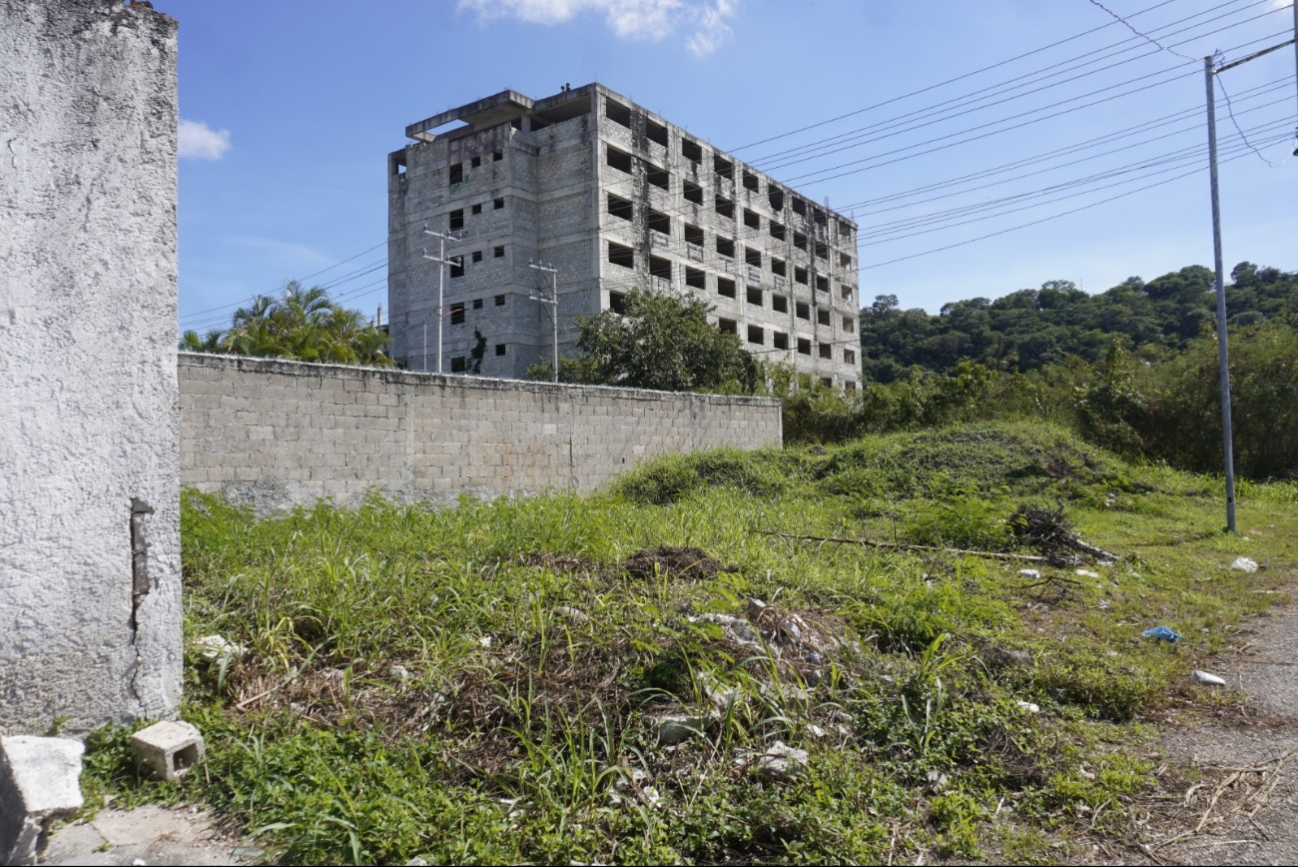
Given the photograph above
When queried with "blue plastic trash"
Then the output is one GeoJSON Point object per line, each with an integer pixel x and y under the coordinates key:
{"type": "Point", "coordinates": [815, 657]}
{"type": "Point", "coordinates": [1162, 633]}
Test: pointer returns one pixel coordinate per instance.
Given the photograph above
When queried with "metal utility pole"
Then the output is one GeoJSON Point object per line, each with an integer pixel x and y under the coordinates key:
{"type": "Point", "coordinates": [1222, 354]}
{"type": "Point", "coordinates": [442, 262]}
{"type": "Point", "coordinates": [553, 301]}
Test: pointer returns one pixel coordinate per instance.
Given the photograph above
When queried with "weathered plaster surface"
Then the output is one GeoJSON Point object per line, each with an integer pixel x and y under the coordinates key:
{"type": "Point", "coordinates": [88, 400]}
{"type": "Point", "coordinates": [282, 433]}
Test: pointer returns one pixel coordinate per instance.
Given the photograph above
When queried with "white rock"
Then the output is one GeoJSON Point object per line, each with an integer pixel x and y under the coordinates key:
{"type": "Point", "coordinates": [780, 761]}
{"type": "Point", "coordinates": [1087, 573]}
{"type": "Point", "coordinates": [1206, 678]}
{"type": "Point", "coordinates": [484, 641]}
{"type": "Point", "coordinates": [1029, 706]}
{"type": "Point", "coordinates": [39, 784]}
{"type": "Point", "coordinates": [1030, 573]}
{"type": "Point", "coordinates": [573, 615]}
{"type": "Point", "coordinates": [736, 628]}
{"type": "Point", "coordinates": [1244, 564]}
{"type": "Point", "coordinates": [675, 728]}
{"type": "Point", "coordinates": [215, 648]}
{"type": "Point", "coordinates": [400, 672]}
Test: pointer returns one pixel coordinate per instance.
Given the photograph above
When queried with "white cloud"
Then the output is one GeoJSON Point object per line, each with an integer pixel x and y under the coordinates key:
{"type": "Point", "coordinates": [199, 142]}
{"type": "Point", "coordinates": [651, 20]}
{"type": "Point", "coordinates": [1281, 4]}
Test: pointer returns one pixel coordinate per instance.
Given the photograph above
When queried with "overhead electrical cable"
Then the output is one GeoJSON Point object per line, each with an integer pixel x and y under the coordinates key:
{"type": "Point", "coordinates": [1132, 28]}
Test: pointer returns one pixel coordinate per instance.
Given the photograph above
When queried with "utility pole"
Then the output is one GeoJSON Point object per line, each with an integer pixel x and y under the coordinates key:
{"type": "Point", "coordinates": [442, 262]}
{"type": "Point", "coordinates": [553, 301]}
{"type": "Point", "coordinates": [1223, 356]}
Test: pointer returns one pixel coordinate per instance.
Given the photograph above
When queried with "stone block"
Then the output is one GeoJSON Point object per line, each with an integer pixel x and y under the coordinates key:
{"type": "Point", "coordinates": [167, 750]}
{"type": "Point", "coordinates": [39, 784]}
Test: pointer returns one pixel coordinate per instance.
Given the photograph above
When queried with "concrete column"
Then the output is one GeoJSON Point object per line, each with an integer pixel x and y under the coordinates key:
{"type": "Point", "coordinates": [90, 617]}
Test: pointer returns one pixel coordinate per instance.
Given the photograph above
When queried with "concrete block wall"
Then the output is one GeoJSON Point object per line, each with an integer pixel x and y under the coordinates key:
{"type": "Point", "coordinates": [278, 433]}
{"type": "Point", "coordinates": [90, 616]}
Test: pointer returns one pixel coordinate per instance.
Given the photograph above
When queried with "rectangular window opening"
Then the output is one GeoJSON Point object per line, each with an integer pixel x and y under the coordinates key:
{"type": "Point", "coordinates": [751, 220]}
{"type": "Point", "coordinates": [620, 208]}
{"type": "Point", "coordinates": [756, 335]}
{"type": "Point", "coordinates": [476, 163]}
{"type": "Point", "coordinates": [800, 275]}
{"type": "Point", "coordinates": [779, 341]}
{"type": "Point", "coordinates": [658, 177]}
{"type": "Point", "coordinates": [800, 240]}
{"type": "Point", "coordinates": [693, 235]}
{"type": "Point", "coordinates": [497, 156]}
{"type": "Point", "coordinates": [477, 303]}
{"type": "Point", "coordinates": [725, 207]}
{"type": "Point", "coordinates": [661, 268]}
{"type": "Point", "coordinates": [620, 255]}
{"type": "Point", "coordinates": [497, 204]}
{"type": "Point", "coordinates": [728, 326]}
{"type": "Point", "coordinates": [799, 207]}
{"type": "Point", "coordinates": [477, 256]}
{"type": "Point", "coordinates": [725, 287]}
{"type": "Point", "coordinates": [458, 364]}
{"type": "Point", "coordinates": [722, 167]}
{"type": "Point", "coordinates": [457, 266]}
{"type": "Point", "coordinates": [846, 291]}
{"type": "Point", "coordinates": [849, 356]}
{"type": "Point", "coordinates": [500, 349]}
{"type": "Point", "coordinates": [778, 267]}
{"type": "Point", "coordinates": [804, 346]}
{"type": "Point", "coordinates": [822, 316]}
{"type": "Point", "coordinates": [822, 284]}
{"type": "Point", "coordinates": [820, 218]}
{"type": "Point", "coordinates": [849, 324]}
{"type": "Point", "coordinates": [618, 113]}
{"type": "Point", "coordinates": [827, 351]}
{"type": "Point", "coordinates": [755, 296]}
{"type": "Point", "coordinates": [753, 257]}
{"type": "Point", "coordinates": [780, 303]}
{"type": "Point", "coordinates": [659, 222]}
{"type": "Point", "coordinates": [693, 193]}
{"type": "Point", "coordinates": [827, 381]}
{"type": "Point", "coordinates": [776, 198]}
{"type": "Point", "coordinates": [499, 252]}
{"type": "Point", "coordinates": [476, 209]}
{"type": "Point", "coordinates": [500, 300]}
{"type": "Point", "coordinates": [777, 231]}
{"type": "Point", "coordinates": [750, 181]}
{"type": "Point", "coordinates": [655, 132]}
{"type": "Point", "coordinates": [691, 151]}
{"type": "Point", "coordinates": [456, 219]}
{"type": "Point", "coordinates": [616, 159]}
{"type": "Point", "coordinates": [695, 279]}
{"type": "Point", "coordinates": [457, 313]}
{"type": "Point", "coordinates": [822, 250]}
{"type": "Point", "coordinates": [726, 247]}
{"type": "Point", "coordinates": [456, 175]}
{"type": "Point", "coordinates": [803, 311]}
{"type": "Point", "coordinates": [617, 302]}
{"type": "Point", "coordinates": [845, 261]}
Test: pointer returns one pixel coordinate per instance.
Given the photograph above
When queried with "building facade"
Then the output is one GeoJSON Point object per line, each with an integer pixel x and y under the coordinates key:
{"type": "Point", "coordinates": [612, 197]}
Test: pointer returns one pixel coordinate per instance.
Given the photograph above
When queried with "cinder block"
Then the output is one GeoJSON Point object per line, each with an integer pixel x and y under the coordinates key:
{"type": "Point", "coordinates": [39, 784]}
{"type": "Point", "coordinates": [168, 750]}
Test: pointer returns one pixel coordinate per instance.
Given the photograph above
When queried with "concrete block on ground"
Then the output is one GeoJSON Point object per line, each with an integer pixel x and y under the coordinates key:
{"type": "Point", "coordinates": [39, 784]}
{"type": "Point", "coordinates": [167, 750]}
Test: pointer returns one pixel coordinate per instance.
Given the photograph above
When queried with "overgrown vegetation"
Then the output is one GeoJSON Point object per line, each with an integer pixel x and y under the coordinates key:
{"type": "Point", "coordinates": [483, 684]}
{"type": "Point", "coordinates": [302, 324]}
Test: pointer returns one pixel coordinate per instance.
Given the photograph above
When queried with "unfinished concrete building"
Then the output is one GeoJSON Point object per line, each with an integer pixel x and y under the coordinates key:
{"type": "Point", "coordinates": [613, 197]}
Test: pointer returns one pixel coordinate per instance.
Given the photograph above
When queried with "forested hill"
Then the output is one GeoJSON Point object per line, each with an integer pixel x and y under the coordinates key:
{"type": "Point", "coordinates": [1032, 328]}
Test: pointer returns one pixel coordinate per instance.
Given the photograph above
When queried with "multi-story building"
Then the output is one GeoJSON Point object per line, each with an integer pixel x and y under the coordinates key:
{"type": "Point", "coordinates": [613, 197]}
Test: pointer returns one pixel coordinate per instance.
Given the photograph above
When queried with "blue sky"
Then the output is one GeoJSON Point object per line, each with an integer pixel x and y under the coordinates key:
{"type": "Point", "coordinates": [289, 109]}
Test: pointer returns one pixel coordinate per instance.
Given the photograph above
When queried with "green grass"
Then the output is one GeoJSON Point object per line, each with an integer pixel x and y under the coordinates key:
{"type": "Point", "coordinates": [521, 734]}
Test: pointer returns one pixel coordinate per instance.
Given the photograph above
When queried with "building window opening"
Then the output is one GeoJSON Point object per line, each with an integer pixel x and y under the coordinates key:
{"type": "Point", "coordinates": [457, 266]}
{"type": "Point", "coordinates": [476, 163]}
{"type": "Point", "coordinates": [500, 300]}
{"type": "Point", "coordinates": [726, 247]}
{"type": "Point", "coordinates": [849, 356]}
{"type": "Point", "coordinates": [799, 207]}
{"type": "Point", "coordinates": [776, 198]}
{"type": "Point", "coordinates": [398, 163]}
{"type": "Point", "coordinates": [846, 292]}
{"type": "Point", "coordinates": [695, 279]}
{"type": "Point", "coordinates": [755, 296]}
{"type": "Point", "coordinates": [457, 174]}
{"type": "Point", "coordinates": [756, 335]}
{"type": "Point", "coordinates": [618, 113]}
{"type": "Point", "coordinates": [800, 275]}
{"type": "Point", "coordinates": [827, 351]}
{"type": "Point", "coordinates": [819, 216]}
{"type": "Point", "coordinates": [722, 167]}
{"type": "Point", "coordinates": [778, 267]}
{"type": "Point", "coordinates": [844, 230]}
{"type": "Point", "coordinates": [693, 193]}
{"type": "Point", "coordinates": [822, 284]}
{"type": "Point", "coordinates": [779, 341]}
{"type": "Point", "coordinates": [845, 261]}
{"type": "Point", "coordinates": [501, 348]}
{"type": "Point", "coordinates": [660, 268]}
{"type": "Point", "coordinates": [620, 208]}
{"type": "Point", "coordinates": [803, 311]}
{"type": "Point", "coordinates": [497, 204]}
{"type": "Point", "coordinates": [725, 287]}
{"type": "Point", "coordinates": [691, 151]}
{"type": "Point", "coordinates": [750, 181]}
{"type": "Point", "coordinates": [458, 364]}
{"type": "Point", "coordinates": [617, 302]}
{"type": "Point", "coordinates": [620, 255]}
{"type": "Point", "coordinates": [659, 222]}
{"type": "Point", "coordinates": [725, 207]}
{"type": "Point", "coordinates": [753, 257]}
{"type": "Point", "coordinates": [827, 381]}
{"type": "Point", "coordinates": [751, 220]}
{"type": "Point", "coordinates": [849, 324]}
{"type": "Point", "coordinates": [658, 177]}
{"type": "Point", "coordinates": [822, 250]}
{"type": "Point", "coordinates": [457, 313]}
{"type": "Point", "coordinates": [800, 240]}
{"type": "Point", "coordinates": [497, 156]}
{"type": "Point", "coordinates": [693, 235]}
{"type": "Point", "coordinates": [477, 256]}
{"type": "Point", "coordinates": [655, 132]}
{"type": "Point", "coordinates": [804, 346]}
{"type": "Point", "coordinates": [456, 220]}
{"type": "Point", "coordinates": [822, 316]}
{"type": "Point", "coordinates": [617, 159]}
{"type": "Point", "coordinates": [728, 326]}
{"type": "Point", "coordinates": [499, 252]}
{"type": "Point", "coordinates": [780, 303]}
{"type": "Point", "coordinates": [477, 303]}
{"type": "Point", "coordinates": [476, 209]}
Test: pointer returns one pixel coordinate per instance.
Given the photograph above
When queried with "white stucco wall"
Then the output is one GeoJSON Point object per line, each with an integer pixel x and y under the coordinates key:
{"type": "Point", "coordinates": [88, 397]}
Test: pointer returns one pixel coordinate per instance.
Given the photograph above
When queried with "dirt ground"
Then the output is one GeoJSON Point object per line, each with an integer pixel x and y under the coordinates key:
{"type": "Point", "coordinates": [1232, 776]}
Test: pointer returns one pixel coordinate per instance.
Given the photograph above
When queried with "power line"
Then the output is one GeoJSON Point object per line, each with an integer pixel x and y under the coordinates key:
{"type": "Point", "coordinates": [1137, 32]}
{"type": "Point", "coordinates": [1231, 111]}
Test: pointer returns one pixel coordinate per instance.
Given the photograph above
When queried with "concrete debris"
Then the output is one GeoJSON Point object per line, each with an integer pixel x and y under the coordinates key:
{"type": "Point", "coordinates": [756, 604]}
{"type": "Point", "coordinates": [1015, 658]}
{"type": "Point", "coordinates": [1206, 678]}
{"type": "Point", "coordinates": [651, 796]}
{"type": "Point", "coordinates": [1029, 706]}
{"type": "Point", "coordinates": [735, 628]}
{"type": "Point", "coordinates": [675, 728]}
{"type": "Point", "coordinates": [1087, 573]}
{"type": "Point", "coordinates": [400, 672]}
{"type": "Point", "coordinates": [779, 762]}
{"type": "Point", "coordinates": [574, 616]}
{"type": "Point", "coordinates": [1244, 564]}
{"type": "Point", "coordinates": [215, 648]}
{"type": "Point", "coordinates": [936, 780]}
{"type": "Point", "coordinates": [1030, 574]}
{"type": "Point", "coordinates": [168, 750]}
{"type": "Point", "coordinates": [39, 784]}
{"type": "Point", "coordinates": [720, 695]}
{"type": "Point", "coordinates": [484, 641]}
